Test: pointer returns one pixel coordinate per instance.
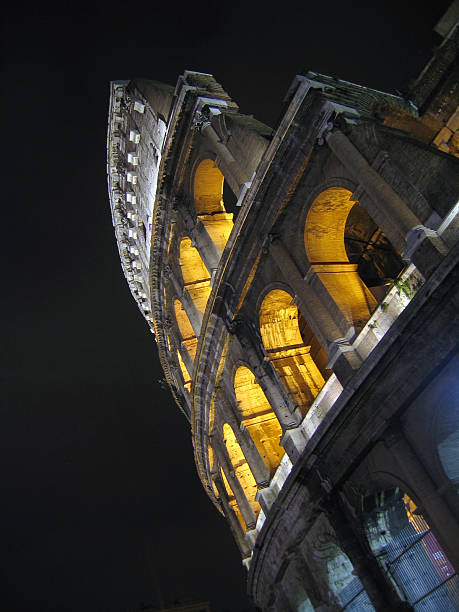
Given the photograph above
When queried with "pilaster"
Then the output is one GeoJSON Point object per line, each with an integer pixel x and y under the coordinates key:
{"type": "Point", "coordinates": [329, 326]}
{"type": "Point", "coordinates": [257, 466]}
{"type": "Point", "coordinates": [241, 499]}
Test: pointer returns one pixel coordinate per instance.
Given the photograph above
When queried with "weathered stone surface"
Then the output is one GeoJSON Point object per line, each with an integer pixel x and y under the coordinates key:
{"type": "Point", "coordinates": [309, 336]}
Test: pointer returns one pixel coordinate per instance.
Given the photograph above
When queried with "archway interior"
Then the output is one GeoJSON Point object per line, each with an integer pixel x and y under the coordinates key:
{"type": "Point", "coordinates": [196, 277]}
{"type": "Point", "coordinates": [258, 417]}
{"type": "Point", "coordinates": [295, 352]}
{"type": "Point", "coordinates": [378, 263]}
{"type": "Point", "coordinates": [408, 551]}
{"type": "Point", "coordinates": [188, 336]}
{"type": "Point", "coordinates": [338, 227]}
{"type": "Point", "coordinates": [241, 468]}
{"type": "Point", "coordinates": [208, 186]}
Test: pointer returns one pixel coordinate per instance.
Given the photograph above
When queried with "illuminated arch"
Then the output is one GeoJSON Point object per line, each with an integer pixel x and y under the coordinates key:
{"type": "Point", "coordinates": [208, 188]}
{"type": "Point", "coordinates": [208, 199]}
{"type": "Point", "coordinates": [188, 336]}
{"type": "Point", "coordinates": [258, 417]}
{"type": "Point", "coordinates": [293, 350]}
{"type": "Point", "coordinates": [337, 227]}
{"type": "Point", "coordinates": [195, 274]}
{"type": "Point", "coordinates": [241, 468]}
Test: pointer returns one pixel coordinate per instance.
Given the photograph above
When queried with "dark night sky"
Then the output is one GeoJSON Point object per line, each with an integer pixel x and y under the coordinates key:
{"type": "Point", "coordinates": [100, 502]}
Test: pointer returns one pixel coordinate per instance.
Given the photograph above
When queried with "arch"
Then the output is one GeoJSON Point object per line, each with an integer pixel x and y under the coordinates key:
{"type": "Point", "coordinates": [341, 242]}
{"type": "Point", "coordinates": [195, 274]}
{"type": "Point", "coordinates": [208, 184]}
{"type": "Point", "coordinates": [409, 553]}
{"type": "Point", "coordinates": [293, 349]}
{"type": "Point", "coordinates": [212, 468]}
{"type": "Point", "coordinates": [208, 188]}
{"type": "Point", "coordinates": [258, 417]}
{"type": "Point", "coordinates": [189, 339]}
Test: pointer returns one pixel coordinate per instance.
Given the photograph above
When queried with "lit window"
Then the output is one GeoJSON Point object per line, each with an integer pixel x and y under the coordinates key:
{"type": "Point", "coordinates": [132, 233]}
{"type": "Point", "coordinates": [130, 197]}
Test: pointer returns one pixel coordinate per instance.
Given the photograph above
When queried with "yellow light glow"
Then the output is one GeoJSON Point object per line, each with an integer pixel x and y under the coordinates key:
{"type": "Point", "coordinates": [188, 336]}
{"type": "Point", "coordinates": [219, 228]}
{"type": "Point", "coordinates": [258, 417]}
{"type": "Point", "coordinates": [241, 468]}
{"type": "Point", "coordinates": [325, 248]}
{"type": "Point", "coordinates": [195, 275]}
{"type": "Point", "coordinates": [232, 500]}
{"type": "Point", "coordinates": [291, 357]}
{"type": "Point", "coordinates": [185, 373]}
{"type": "Point", "coordinates": [208, 188]}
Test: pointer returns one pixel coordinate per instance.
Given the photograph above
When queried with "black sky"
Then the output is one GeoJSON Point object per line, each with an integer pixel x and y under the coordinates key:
{"type": "Point", "coordinates": [101, 508]}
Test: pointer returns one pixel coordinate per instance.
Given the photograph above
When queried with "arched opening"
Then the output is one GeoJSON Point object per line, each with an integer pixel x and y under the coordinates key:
{"type": "Point", "coordinates": [293, 350]}
{"type": "Point", "coordinates": [188, 336]}
{"type": "Point", "coordinates": [258, 417]}
{"type": "Point", "coordinates": [378, 263]}
{"type": "Point", "coordinates": [241, 468]}
{"type": "Point", "coordinates": [208, 187]}
{"type": "Point", "coordinates": [195, 275]}
{"type": "Point", "coordinates": [344, 584]}
{"type": "Point", "coordinates": [347, 250]}
{"type": "Point", "coordinates": [409, 553]}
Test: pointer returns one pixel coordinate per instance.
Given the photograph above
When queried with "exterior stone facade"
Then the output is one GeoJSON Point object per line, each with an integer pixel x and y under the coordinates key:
{"type": "Point", "coordinates": [309, 334]}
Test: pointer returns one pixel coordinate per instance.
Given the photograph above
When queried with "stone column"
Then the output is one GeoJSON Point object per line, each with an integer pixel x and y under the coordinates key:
{"type": "Point", "coordinates": [286, 411]}
{"type": "Point", "coordinates": [417, 243]}
{"type": "Point", "coordinates": [230, 414]}
{"type": "Point", "coordinates": [389, 211]}
{"type": "Point", "coordinates": [185, 355]}
{"type": "Point", "coordinates": [352, 543]}
{"type": "Point", "coordinates": [207, 249]}
{"type": "Point", "coordinates": [307, 581]}
{"type": "Point", "coordinates": [241, 499]}
{"type": "Point", "coordinates": [188, 304]}
{"type": "Point", "coordinates": [233, 170]}
{"type": "Point", "coordinates": [282, 602]}
{"type": "Point", "coordinates": [322, 314]}
{"type": "Point", "coordinates": [433, 507]}
{"type": "Point", "coordinates": [232, 518]}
